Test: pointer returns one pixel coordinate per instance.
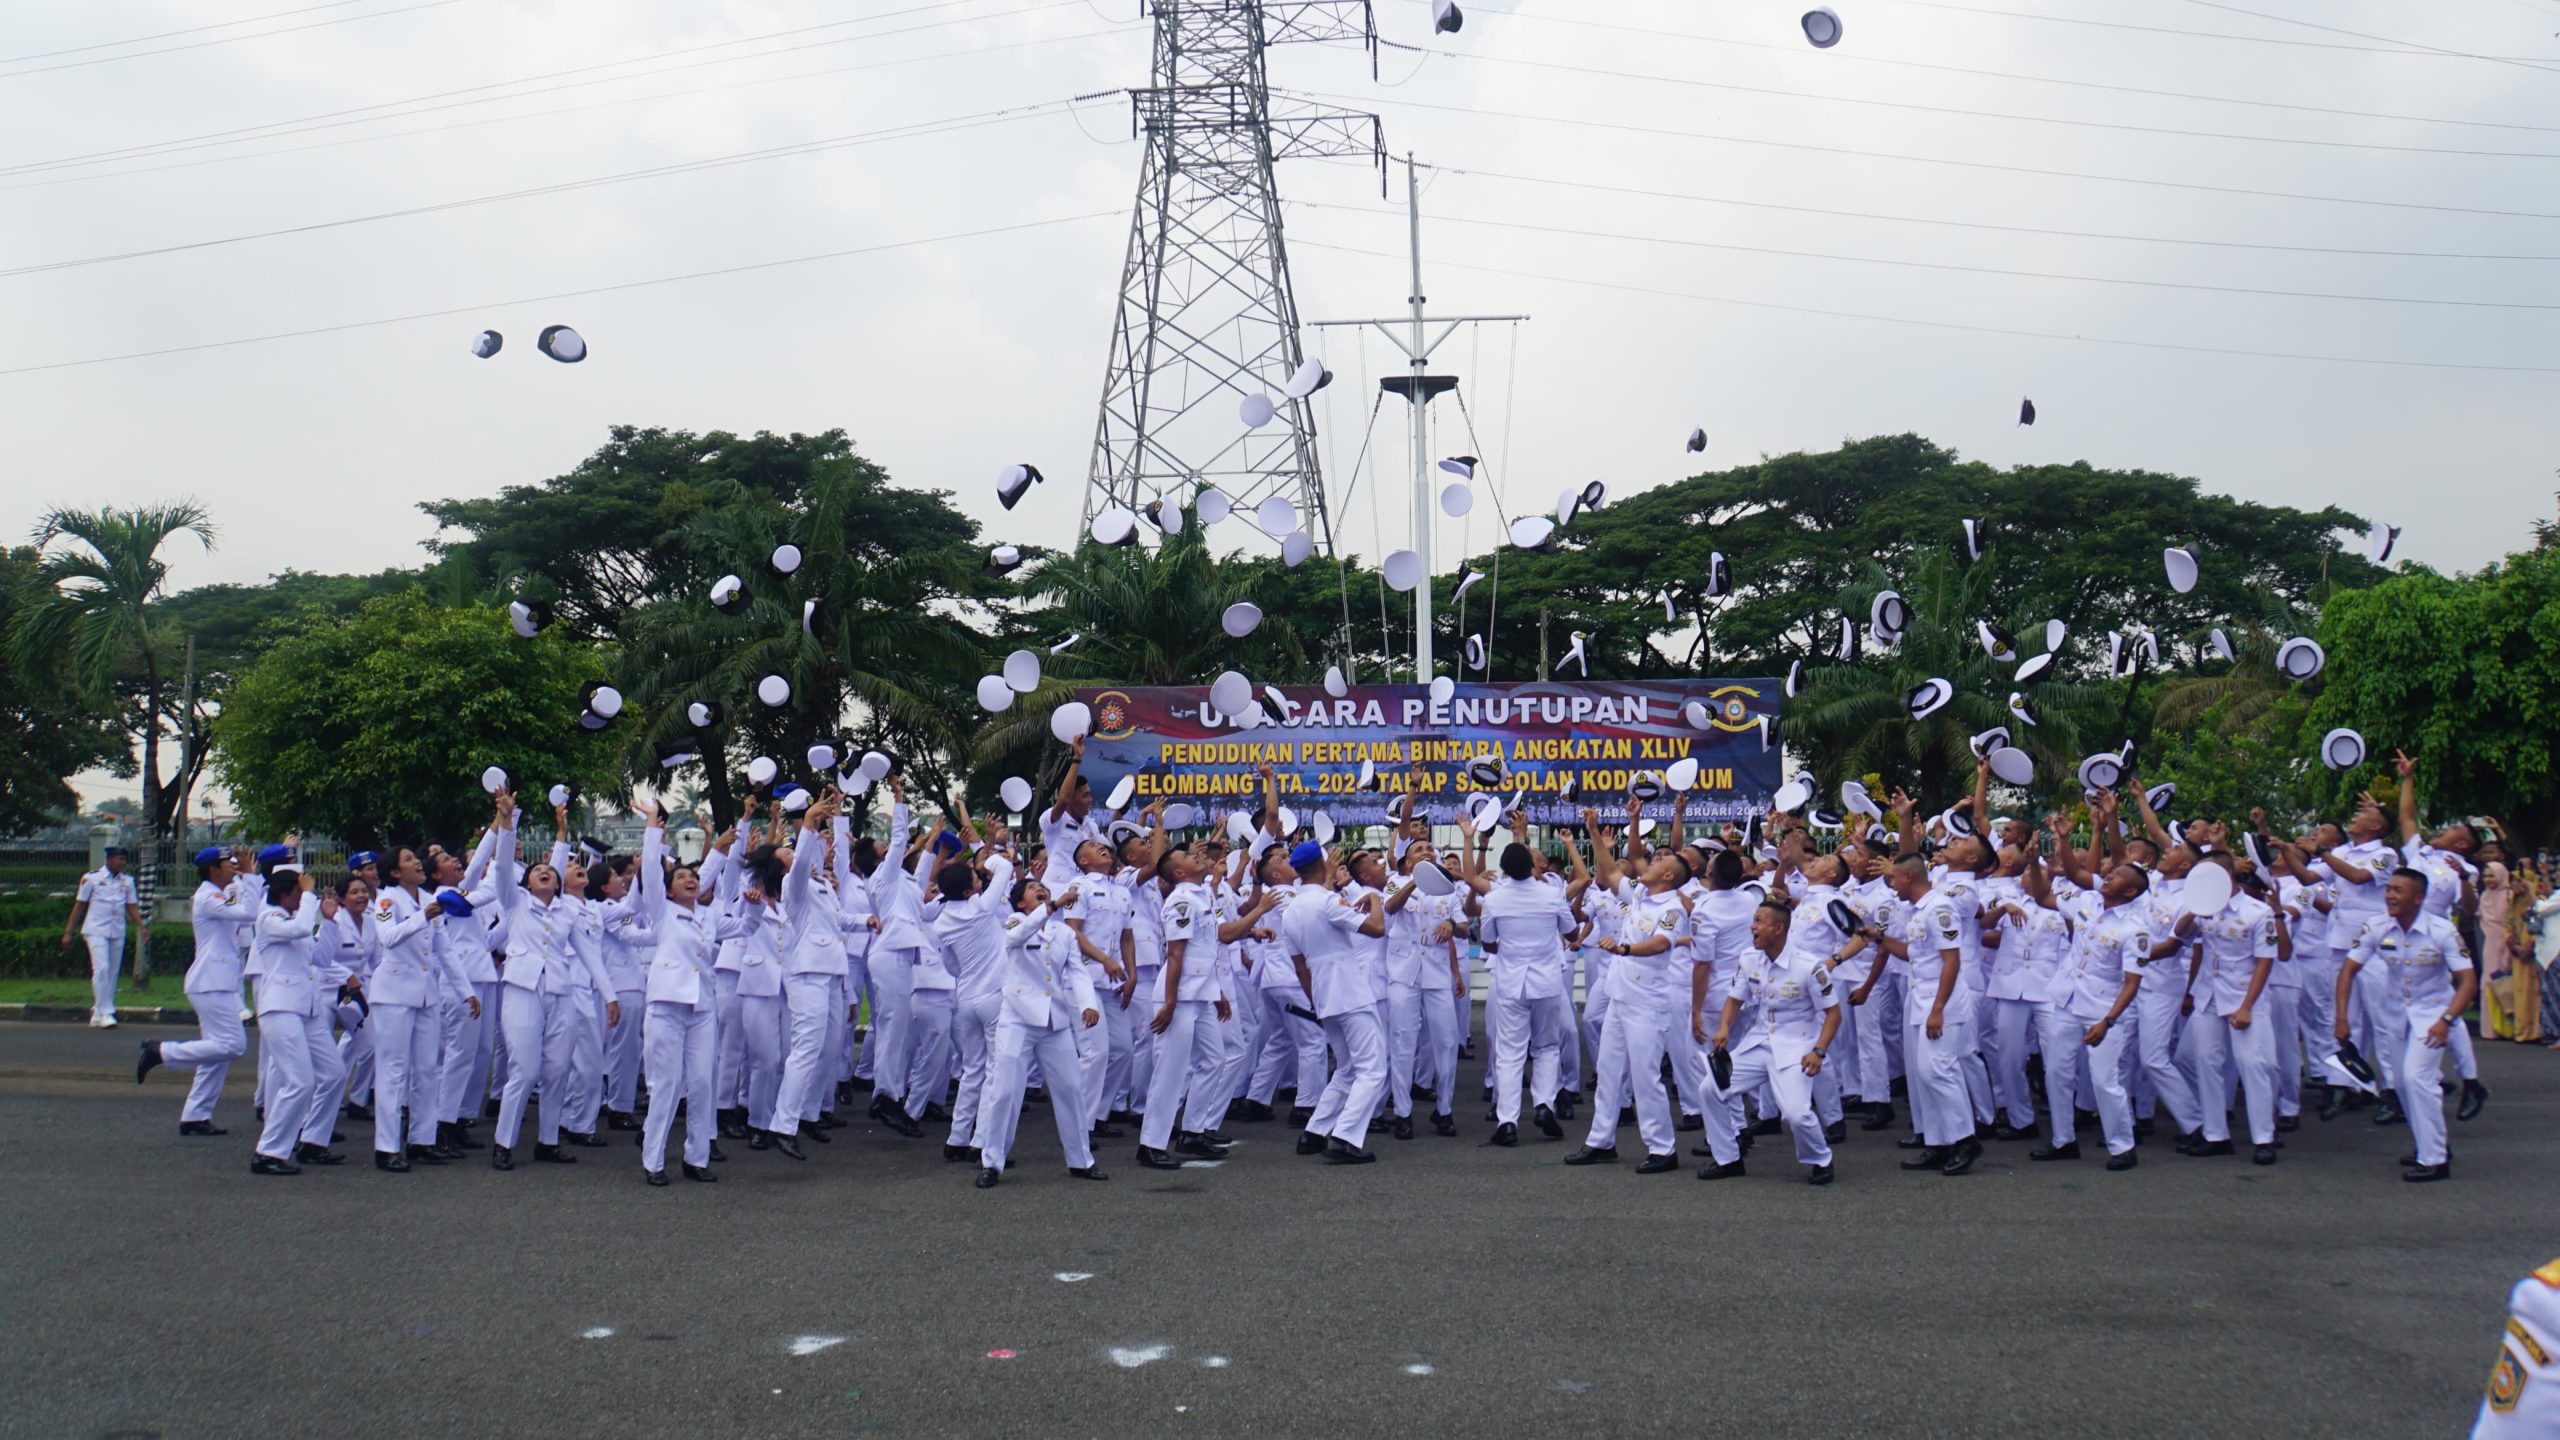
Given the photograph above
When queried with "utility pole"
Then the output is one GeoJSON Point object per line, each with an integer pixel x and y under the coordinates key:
{"type": "Point", "coordinates": [1542, 642]}
{"type": "Point", "coordinates": [1420, 387]}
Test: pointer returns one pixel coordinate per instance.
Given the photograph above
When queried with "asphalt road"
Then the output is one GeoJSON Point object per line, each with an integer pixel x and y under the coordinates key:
{"type": "Point", "coordinates": [149, 1286]}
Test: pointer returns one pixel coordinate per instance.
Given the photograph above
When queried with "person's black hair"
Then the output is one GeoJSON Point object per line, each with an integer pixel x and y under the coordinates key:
{"type": "Point", "coordinates": [2404, 872]}
{"type": "Point", "coordinates": [1774, 908]}
{"type": "Point", "coordinates": [1517, 861]}
{"type": "Point", "coordinates": [1164, 864]}
{"type": "Point", "coordinates": [1724, 870]}
{"type": "Point", "coordinates": [1021, 884]}
{"type": "Point", "coordinates": [1687, 872]}
{"type": "Point", "coordinates": [764, 869]}
{"type": "Point", "coordinates": [865, 855]}
{"type": "Point", "coordinates": [1262, 861]}
{"type": "Point", "coordinates": [267, 872]}
{"type": "Point", "coordinates": [345, 883]}
{"type": "Point", "coordinates": [205, 872]}
{"type": "Point", "coordinates": [954, 879]}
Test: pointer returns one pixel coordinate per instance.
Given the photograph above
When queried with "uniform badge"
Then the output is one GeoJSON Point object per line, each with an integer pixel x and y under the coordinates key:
{"type": "Point", "coordinates": [2506, 1383]}
{"type": "Point", "coordinates": [2524, 1337]}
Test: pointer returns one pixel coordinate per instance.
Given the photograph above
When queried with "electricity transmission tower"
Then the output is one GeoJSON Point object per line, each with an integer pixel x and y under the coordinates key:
{"type": "Point", "coordinates": [1206, 315]}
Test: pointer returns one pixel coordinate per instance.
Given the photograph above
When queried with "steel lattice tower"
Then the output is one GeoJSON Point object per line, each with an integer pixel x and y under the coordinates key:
{"type": "Point", "coordinates": [1206, 315]}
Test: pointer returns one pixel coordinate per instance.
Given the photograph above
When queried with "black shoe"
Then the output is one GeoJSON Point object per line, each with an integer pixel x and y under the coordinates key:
{"type": "Point", "coordinates": [654, 1177]}
{"type": "Point", "coordinates": [1343, 1152]}
{"type": "Point", "coordinates": [1911, 1142]}
{"type": "Point", "coordinates": [1626, 1116]}
{"type": "Point", "coordinates": [987, 1179]}
{"type": "Point", "coordinates": [1879, 1117]}
{"type": "Point", "coordinates": [1492, 1113]}
{"type": "Point", "coordinates": [310, 1154]}
{"type": "Point", "coordinates": [2142, 1129]}
{"type": "Point", "coordinates": [1089, 1172]}
{"type": "Point", "coordinates": [200, 1127]}
{"type": "Point", "coordinates": [583, 1139]}
{"type": "Point", "coordinates": [701, 1173]}
{"type": "Point", "coordinates": [621, 1120]}
{"type": "Point", "coordinates": [1817, 1175]}
{"type": "Point", "coordinates": [2388, 1112]}
{"type": "Point", "coordinates": [2006, 1131]}
{"type": "Point", "coordinates": [934, 1114]}
{"type": "Point", "coordinates": [760, 1140]}
{"type": "Point", "coordinates": [1310, 1143]}
{"type": "Point", "coordinates": [1967, 1151]}
{"type": "Point", "coordinates": [1154, 1159]}
{"type": "Point", "coordinates": [844, 1092]}
{"type": "Point", "coordinates": [2333, 1106]}
{"type": "Point", "coordinates": [1108, 1131]}
{"type": "Point", "coordinates": [733, 1130]}
{"type": "Point", "coordinates": [1836, 1131]}
{"type": "Point", "coordinates": [2189, 1142]}
{"type": "Point", "coordinates": [897, 1120]}
{"type": "Point", "coordinates": [1590, 1155]}
{"type": "Point", "coordinates": [861, 1084]}
{"type": "Point", "coordinates": [425, 1155]}
{"type": "Point", "coordinates": [354, 1111]}
{"type": "Point", "coordinates": [2420, 1174]}
{"type": "Point", "coordinates": [1689, 1122]}
{"type": "Point", "coordinates": [2263, 1155]}
{"type": "Point", "coordinates": [2474, 1096]}
{"type": "Point", "coordinates": [1930, 1158]}
{"type": "Point", "coordinates": [1299, 1115]}
{"type": "Point", "coordinates": [1720, 1172]}
{"type": "Point", "coordinates": [1380, 1124]}
{"type": "Point", "coordinates": [788, 1146]}
{"type": "Point", "coordinates": [827, 1121]}
{"type": "Point", "coordinates": [337, 1137]}
{"type": "Point", "coordinates": [1198, 1147]}
{"type": "Point", "coordinates": [1403, 1128]}
{"type": "Point", "coordinates": [461, 1140]}
{"type": "Point", "coordinates": [1505, 1135]}
{"type": "Point", "coordinates": [489, 1108]}
{"type": "Point", "coordinates": [392, 1161]}
{"type": "Point", "coordinates": [2069, 1150]}
{"type": "Point", "coordinates": [444, 1152]}
{"type": "Point", "coordinates": [1129, 1118]}
{"type": "Point", "coordinates": [2125, 1161]}
{"type": "Point", "coordinates": [1444, 1124]}
{"type": "Point", "coordinates": [1766, 1125]}
{"type": "Point", "coordinates": [270, 1165]}
{"type": "Point", "coordinates": [819, 1133]}
{"type": "Point", "coordinates": [150, 1061]}
{"type": "Point", "coordinates": [1249, 1110]}
{"type": "Point", "coordinates": [1658, 1164]}
{"type": "Point", "coordinates": [502, 1157]}
{"type": "Point", "coordinates": [2287, 1124]}
{"type": "Point", "coordinates": [2214, 1147]}
{"type": "Point", "coordinates": [717, 1155]}
{"type": "Point", "coordinates": [553, 1155]}
{"type": "Point", "coordinates": [1548, 1125]}
{"type": "Point", "coordinates": [958, 1152]}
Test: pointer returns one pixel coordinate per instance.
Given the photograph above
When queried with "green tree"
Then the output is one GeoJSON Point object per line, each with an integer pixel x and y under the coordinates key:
{"type": "Point", "coordinates": [376, 727]}
{"type": "Point", "coordinates": [90, 624]}
{"type": "Point", "coordinates": [59, 730]}
{"type": "Point", "coordinates": [2461, 672]}
{"type": "Point", "coordinates": [2243, 752]}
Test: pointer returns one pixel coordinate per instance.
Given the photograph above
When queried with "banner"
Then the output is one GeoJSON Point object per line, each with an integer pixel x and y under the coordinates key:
{"type": "Point", "coordinates": [1606, 733]}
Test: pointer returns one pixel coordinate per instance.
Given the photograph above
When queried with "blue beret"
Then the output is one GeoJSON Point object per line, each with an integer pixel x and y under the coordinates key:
{"type": "Point", "coordinates": [946, 844]}
{"type": "Point", "coordinates": [453, 903]}
{"type": "Point", "coordinates": [362, 858]}
{"type": "Point", "coordinates": [115, 850]}
{"type": "Point", "coordinates": [275, 854]}
{"type": "Point", "coordinates": [209, 855]}
{"type": "Point", "coordinates": [1306, 853]}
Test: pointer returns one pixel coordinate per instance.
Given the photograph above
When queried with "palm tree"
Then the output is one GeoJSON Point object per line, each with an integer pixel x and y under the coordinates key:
{"type": "Point", "coordinates": [2248, 685]}
{"type": "Point", "coordinates": [1851, 718]}
{"type": "Point", "coordinates": [90, 624]}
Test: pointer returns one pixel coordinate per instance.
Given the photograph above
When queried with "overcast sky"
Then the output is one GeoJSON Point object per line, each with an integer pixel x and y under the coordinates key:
{"type": "Point", "coordinates": [948, 359]}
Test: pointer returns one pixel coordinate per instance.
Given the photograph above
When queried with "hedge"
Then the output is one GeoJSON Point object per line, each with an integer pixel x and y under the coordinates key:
{"type": "Point", "coordinates": [36, 953]}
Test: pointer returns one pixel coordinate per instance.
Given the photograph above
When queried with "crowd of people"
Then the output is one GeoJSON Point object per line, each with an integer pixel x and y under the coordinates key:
{"type": "Point", "coordinates": [1958, 980]}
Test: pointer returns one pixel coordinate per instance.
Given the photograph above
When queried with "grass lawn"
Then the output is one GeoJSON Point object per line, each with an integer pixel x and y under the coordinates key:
{"type": "Point", "coordinates": [163, 992]}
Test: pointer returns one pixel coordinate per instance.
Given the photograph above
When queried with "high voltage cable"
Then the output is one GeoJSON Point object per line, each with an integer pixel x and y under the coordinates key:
{"type": "Point", "coordinates": [225, 40]}
{"type": "Point", "coordinates": [2360, 35]}
{"type": "Point", "coordinates": [2257, 192]}
{"type": "Point", "coordinates": [172, 34]}
{"type": "Point", "coordinates": [1944, 324]}
{"type": "Point", "coordinates": [804, 147]}
{"type": "Point", "coordinates": [484, 308]}
{"type": "Point", "coordinates": [962, 53]}
{"type": "Point", "coordinates": [298, 123]}
{"type": "Point", "coordinates": [1791, 252]}
{"type": "Point", "coordinates": [2395, 48]}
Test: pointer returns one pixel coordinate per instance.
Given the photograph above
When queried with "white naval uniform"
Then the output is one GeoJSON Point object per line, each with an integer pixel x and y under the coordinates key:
{"type": "Point", "coordinates": [1043, 992]}
{"type": "Point", "coordinates": [1530, 1016]}
{"type": "Point", "coordinates": [1322, 932]}
{"type": "Point", "coordinates": [813, 976]}
{"type": "Point", "coordinates": [931, 993]}
{"type": "Point", "coordinates": [2107, 949]}
{"type": "Point", "coordinates": [410, 979]}
{"type": "Point", "coordinates": [1101, 916]}
{"type": "Point", "coordinates": [1190, 921]}
{"type": "Point", "coordinates": [548, 950]}
{"type": "Point", "coordinates": [972, 934]}
{"type": "Point", "coordinates": [2417, 963]}
{"type": "Point", "coordinates": [1942, 1106]}
{"type": "Point", "coordinates": [2162, 1006]}
{"type": "Point", "coordinates": [2358, 904]}
{"type": "Point", "coordinates": [293, 1028]}
{"type": "Point", "coordinates": [681, 1043]}
{"type": "Point", "coordinates": [1292, 1045]}
{"type": "Point", "coordinates": [900, 907]}
{"type": "Point", "coordinates": [470, 1041]}
{"type": "Point", "coordinates": [1635, 1030]}
{"type": "Point", "coordinates": [102, 929]}
{"type": "Point", "coordinates": [1788, 996]}
{"type": "Point", "coordinates": [220, 913]}
{"type": "Point", "coordinates": [2232, 941]}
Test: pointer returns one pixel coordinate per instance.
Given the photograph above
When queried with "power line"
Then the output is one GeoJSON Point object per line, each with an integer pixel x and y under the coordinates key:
{"type": "Point", "coordinates": [1846, 58]}
{"type": "Point", "coordinates": [1998, 114]}
{"type": "Point", "coordinates": [172, 34]}
{"type": "Point", "coordinates": [1796, 253]}
{"type": "Point", "coordinates": [2266, 245]}
{"type": "Point", "coordinates": [482, 309]}
{"type": "Point", "coordinates": [2396, 48]}
{"type": "Point", "coordinates": [226, 40]}
{"type": "Point", "coordinates": [300, 123]}
{"type": "Point", "coordinates": [964, 52]}
{"type": "Point", "coordinates": [2255, 192]}
{"type": "Point", "coordinates": [1943, 324]}
{"type": "Point", "coordinates": [2360, 35]}
{"type": "Point", "coordinates": [684, 167]}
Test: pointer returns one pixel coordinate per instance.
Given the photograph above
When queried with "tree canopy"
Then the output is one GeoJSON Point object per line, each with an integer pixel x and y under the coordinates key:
{"type": "Point", "coordinates": [59, 730]}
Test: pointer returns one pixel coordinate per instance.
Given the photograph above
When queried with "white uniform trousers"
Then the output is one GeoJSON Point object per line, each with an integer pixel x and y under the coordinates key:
{"type": "Point", "coordinates": [2378, 1022]}
{"type": "Point", "coordinates": [309, 1081]}
{"type": "Point", "coordinates": [893, 988]}
{"type": "Point", "coordinates": [851, 1062]}
{"type": "Point", "coordinates": [1867, 1028]}
{"type": "Point", "coordinates": [2457, 1039]}
{"type": "Point", "coordinates": [580, 1032]}
{"type": "Point", "coordinates": [1941, 1107]}
{"type": "Point", "coordinates": [1779, 1064]}
{"type": "Point", "coordinates": [1435, 1060]}
{"type": "Point", "coordinates": [1843, 1069]}
{"type": "Point", "coordinates": [1292, 1048]}
{"type": "Point", "coordinates": [622, 1053]}
{"type": "Point", "coordinates": [458, 1046]}
{"type": "Point", "coordinates": [2108, 1064]}
{"type": "Point", "coordinates": [928, 1048]}
{"type": "Point", "coordinates": [1632, 1043]}
{"type": "Point", "coordinates": [1008, 1070]}
{"type": "Point", "coordinates": [1142, 1041]}
{"type": "Point", "coordinates": [2282, 1007]}
{"type": "Point", "coordinates": [1179, 1049]}
{"type": "Point", "coordinates": [765, 1027]}
{"type": "Point", "coordinates": [2013, 1021]}
{"type": "Point", "coordinates": [2063, 1039]}
{"type": "Point", "coordinates": [1976, 1006]}
{"type": "Point", "coordinates": [835, 1060]}
{"type": "Point", "coordinates": [1527, 1034]}
{"type": "Point", "coordinates": [1691, 1083]}
{"type": "Point", "coordinates": [810, 999]}
{"type": "Point", "coordinates": [729, 1078]}
{"type": "Point", "coordinates": [2222, 1048]}
{"type": "Point", "coordinates": [521, 1018]}
{"type": "Point", "coordinates": [220, 1039]}
{"type": "Point", "coordinates": [1579, 1039]}
{"type": "Point", "coordinates": [681, 1048]}
{"type": "Point", "coordinates": [1359, 1045]}
{"type": "Point", "coordinates": [106, 956]}
{"type": "Point", "coordinates": [355, 1051]}
{"type": "Point", "coordinates": [2421, 1079]}
{"type": "Point", "coordinates": [1224, 1060]}
{"type": "Point", "coordinates": [1109, 1090]}
{"type": "Point", "coordinates": [407, 1039]}
{"type": "Point", "coordinates": [973, 1031]}
{"type": "Point", "coordinates": [2316, 1012]}
{"type": "Point", "coordinates": [2157, 1043]}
